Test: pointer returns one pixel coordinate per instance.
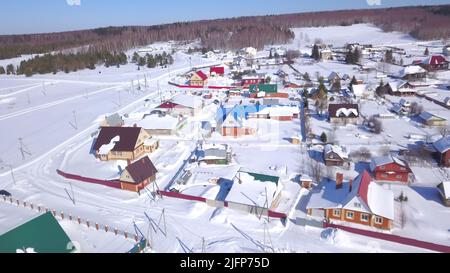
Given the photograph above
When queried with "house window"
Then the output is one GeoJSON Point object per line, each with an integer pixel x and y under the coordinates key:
{"type": "Point", "coordinates": [382, 167]}
{"type": "Point", "coordinates": [357, 205]}
{"type": "Point", "coordinates": [350, 215]}
{"type": "Point", "coordinates": [336, 213]}
{"type": "Point", "coordinates": [378, 220]}
{"type": "Point", "coordinates": [398, 176]}
{"type": "Point", "coordinates": [364, 217]}
{"type": "Point", "coordinates": [403, 168]}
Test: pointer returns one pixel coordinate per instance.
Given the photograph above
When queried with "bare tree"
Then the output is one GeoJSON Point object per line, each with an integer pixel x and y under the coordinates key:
{"type": "Point", "coordinates": [415, 109]}
{"type": "Point", "coordinates": [316, 170]}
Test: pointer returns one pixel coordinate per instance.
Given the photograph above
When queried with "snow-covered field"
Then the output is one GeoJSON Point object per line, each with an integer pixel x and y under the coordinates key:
{"type": "Point", "coordinates": [55, 115]}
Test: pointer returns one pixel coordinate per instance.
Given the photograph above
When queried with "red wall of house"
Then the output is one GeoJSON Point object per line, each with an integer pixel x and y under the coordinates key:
{"type": "Point", "coordinates": [392, 172]}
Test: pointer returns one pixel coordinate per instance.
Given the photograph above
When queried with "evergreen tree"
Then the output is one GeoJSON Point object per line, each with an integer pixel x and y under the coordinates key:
{"type": "Point", "coordinates": [135, 58]}
{"type": "Point", "coordinates": [141, 61]}
{"type": "Point", "coordinates": [323, 137]}
{"type": "Point", "coordinates": [306, 77]}
{"type": "Point", "coordinates": [170, 59]}
{"type": "Point", "coordinates": [388, 56]}
{"type": "Point", "coordinates": [271, 55]}
{"type": "Point", "coordinates": [427, 52]}
{"type": "Point", "coordinates": [2, 70]}
{"type": "Point", "coordinates": [10, 69]}
{"type": "Point", "coordinates": [315, 52]}
{"type": "Point", "coordinates": [353, 81]}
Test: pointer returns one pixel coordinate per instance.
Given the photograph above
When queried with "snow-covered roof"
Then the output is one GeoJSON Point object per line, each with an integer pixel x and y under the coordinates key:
{"type": "Point", "coordinates": [190, 101]}
{"type": "Point", "coordinates": [399, 86]}
{"type": "Point", "coordinates": [442, 145]}
{"type": "Point", "coordinates": [248, 190]}
{"type": "Point", "coordinates": [445, 189]}
{"type": "Point", "coordinates": [154, 122]}
{"type": "Point", "coordinates": [412, 69]}
{"type": "Point", "coordinates": [381, 201]}
{"type": "Point", "coordinates": [343, 110]}
{"type": "Point", "coordinates": [106, 148]}
{"type": "Point", "coordinates": [428, 116]}
{"type": "Point", "coordinates": [359, 89]}
{"type": "Point", "coordinates": [340, 151]}
{"type": "Point", "coordinates": [279, 111]}
{"type": "Point", "coordinates": [434, 59]}
{"type": "Point", "coordinates": [384, 160]}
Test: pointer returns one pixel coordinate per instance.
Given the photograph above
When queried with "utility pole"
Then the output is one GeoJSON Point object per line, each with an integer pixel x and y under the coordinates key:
{"type": "Point", "coordinates": [23, 149]}
{"type": "Point", "coordinates": [75, 119]}
{"type": "Point", "coordinates": [203, 245]}
{"type": "Point", "coordinates": [43, 89]}
{"type": "Point", "coordinates": [28, 98]}
{"type": "Point", "coordinates": [12, 174]}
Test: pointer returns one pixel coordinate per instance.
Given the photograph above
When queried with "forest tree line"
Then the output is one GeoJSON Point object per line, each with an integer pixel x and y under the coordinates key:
{"type": "Point", "coordinates": [425, 23]}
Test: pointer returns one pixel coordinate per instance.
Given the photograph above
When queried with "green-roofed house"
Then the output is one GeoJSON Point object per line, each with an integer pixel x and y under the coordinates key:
{"type": "Point", "coordinates": [42, 234]}
{"type": "Point", "coordinates": [254, 192]}
{"type": "Point", "coordinates": [267, 88]}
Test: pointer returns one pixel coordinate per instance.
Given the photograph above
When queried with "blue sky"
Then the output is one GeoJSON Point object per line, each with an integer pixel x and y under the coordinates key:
{"type": "Point", "coordinates": [33, 16]}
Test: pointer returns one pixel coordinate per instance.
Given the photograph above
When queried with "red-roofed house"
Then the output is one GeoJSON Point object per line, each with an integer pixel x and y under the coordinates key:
{"type": "Point", "coordinates": [217, 70]}
{"type": "Point", "coordinates": [434, 62]}
{"type": "Point", "coordinates": [390, 169]}
{"type": "Point", "coordinates": [198, 79]}
{"type": "Point", "coordinates": [138, 175]}
{"type": "Point", "coordinates": [360, 201]}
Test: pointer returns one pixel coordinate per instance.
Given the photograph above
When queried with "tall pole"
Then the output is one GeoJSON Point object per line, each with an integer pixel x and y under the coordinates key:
{"type": "Point", "coordinates": [75, 119]}
{"type": "Point", "coordinates": [12, 174]}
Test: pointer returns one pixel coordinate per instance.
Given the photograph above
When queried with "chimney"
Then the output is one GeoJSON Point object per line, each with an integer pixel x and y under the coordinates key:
{"type": "Point", "coordinates": [135, 125]}
{"type": "Point", "coordinates": [350, 185]}
{"type": "Point", "coordinates": [339, 180]}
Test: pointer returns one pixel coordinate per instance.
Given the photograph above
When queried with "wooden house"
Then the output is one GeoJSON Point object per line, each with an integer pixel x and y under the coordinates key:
{"type": "Point", "coordinates": [431, 119]}
{"type": "Point", "coordinates": [434, 62]}
{"type": "Point", "coordinates": [444, 192]}
{"type": "Point", "coordinates": [120, 143]}
{"type": "Point", "coordinates": [334, 155]}
{"type": "Point", "coordinates": [138, 175]}
{"type": "Point", "coordinates": [343, 113]}
{"type": "Point", "coordinates": [441, 148]}
{"type": "Point", "coordinates": [198, 79]}
{"type": "Point", "coordinates": [360, 202]}
{"type": "Point", "coordinates": [390, 169]}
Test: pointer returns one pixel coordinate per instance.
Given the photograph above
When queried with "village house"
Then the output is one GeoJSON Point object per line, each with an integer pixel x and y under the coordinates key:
{"type": "Point", "coordinates": [254, 192]}
{"type": "Point", "coordinates": [136, 176]}
{"type": "Point", "coordinates": [444, 192]}
{"type": "Point", "coordinates": [402, 108]}
{"type": "Point", "coordinates": [343, 113]}
{"type": "Point", "coordinates": [240, 62]}
{"type": "Point", "coordinates": [412, 73]}
{"type": "Point", "coordinates": [326, 54]}
{"type": "Point", "coordinates": [250, 79]}
{"type": "Point", "coordinates": [217, 154]}
{"type": "Point", "coordinates": [390, 169]}
{"type": "Point", "coordinates": [360, 90]}
{"type": "Point", "coordinates": [360, 202]}
{"type": "Point", "coordinates": [198, 79]}
{"type": "Point", "coordinates": [306, 181]}
{"type": "Point", "coordinates": [431, 119]}
{"type": "Point", "coordinates": [446, 50]}
{"type": "Point", "coordinates": [333, 77]}
{"type": "Point", "coordinates": [334, 155]}
{"type": "Point", "coordinates": [161, 124]}
{"type": "Point", "coordinates": [114, 120]}
{"type": "Point", "coordinates": [434, 62]}
{"type": "Point", "coordinates": [217, 71]}
{"type": "Point", "coordinates": [120, 143]}
{"type": "Point", "coordinates": [441, 148]}
{"type": "Point", "coordinates": [233, 122]}
{"type": "Point", "coordinates": [399, 88]}
{"type": "Point", "coordinates": [182, 105]}
{"type": "Point", "coordinates": [210, 55]}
